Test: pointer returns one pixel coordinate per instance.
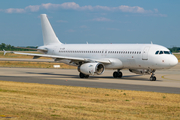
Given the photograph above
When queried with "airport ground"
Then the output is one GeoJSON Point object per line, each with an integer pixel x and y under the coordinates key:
{"type": "Point", "coordinates": [168, 80]}
{"type": "Point", "coordinates": [32, 96]}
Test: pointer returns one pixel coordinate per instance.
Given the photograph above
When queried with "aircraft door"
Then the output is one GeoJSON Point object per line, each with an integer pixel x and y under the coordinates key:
{"type": "Point", "coordinates": [145, 53]}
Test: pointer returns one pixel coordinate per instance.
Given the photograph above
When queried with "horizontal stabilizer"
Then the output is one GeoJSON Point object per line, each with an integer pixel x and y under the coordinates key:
{"type": "Point", "coordinates": [44, 50]}
{"type": "Point", "coordinates": [7, 52]}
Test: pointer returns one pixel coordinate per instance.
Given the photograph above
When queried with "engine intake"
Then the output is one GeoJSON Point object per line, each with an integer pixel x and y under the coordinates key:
{"type": "Point", "coordinates": [91, 68]}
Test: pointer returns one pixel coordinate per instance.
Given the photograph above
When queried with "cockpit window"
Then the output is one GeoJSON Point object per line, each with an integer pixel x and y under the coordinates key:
{"type": "Point", "coordinates": [166, 52]}
{"type": "Point", "coordinates": [157, 52]}
{"type": "Point", "coordinates": [161, 52]}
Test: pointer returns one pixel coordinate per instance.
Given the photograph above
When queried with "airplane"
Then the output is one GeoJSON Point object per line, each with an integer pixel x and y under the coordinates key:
{"type": "Point", "coordinates": [91, 59]}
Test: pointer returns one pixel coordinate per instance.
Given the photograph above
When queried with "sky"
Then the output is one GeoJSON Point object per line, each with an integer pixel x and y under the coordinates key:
{"type": "Point", "coordinates": [92, 21]}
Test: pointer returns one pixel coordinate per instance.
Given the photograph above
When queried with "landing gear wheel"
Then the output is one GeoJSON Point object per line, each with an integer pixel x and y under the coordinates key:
{"type": "Point", "coordinates": [153, 78]}
{"type": "Point", "coordinates": [86, 76]}
{"type": "Point", "coordinates": [117, 74]}
{"type": "Point", "coordinates": [120, 75]}
{"type": "Point", "coordinates": [81, 75]}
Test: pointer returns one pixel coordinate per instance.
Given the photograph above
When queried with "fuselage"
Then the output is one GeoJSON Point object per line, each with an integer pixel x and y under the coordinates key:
{"type": "Point", "coordinates": [131, 56]}
{"type": "Point", "coordinates": [95, 58]}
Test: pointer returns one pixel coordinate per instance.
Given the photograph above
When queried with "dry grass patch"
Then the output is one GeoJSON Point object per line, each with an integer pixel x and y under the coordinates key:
{"type": "Point", "coordinates": [34, 64]}
{"type": "Point", "coordinates": [178, 56]}
{"type": "Point", "coordinates": [37, 101]}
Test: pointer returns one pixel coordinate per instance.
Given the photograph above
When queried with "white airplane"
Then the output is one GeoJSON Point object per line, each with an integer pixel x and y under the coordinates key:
{"type": "Point", "coordinates": [95, 58]}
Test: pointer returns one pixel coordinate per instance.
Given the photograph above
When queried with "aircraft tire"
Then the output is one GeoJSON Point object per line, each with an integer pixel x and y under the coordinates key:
{"type": "Point", "coordinates": [115, 74]}
{"type": "Point", "coordinates": [86, 76]}
{"type": "Point", "coordinates": [120, 75]}
{"type": "Point", "coordinates": [153, 78]}
{"type": "Point", "coordinates": [81, 75]}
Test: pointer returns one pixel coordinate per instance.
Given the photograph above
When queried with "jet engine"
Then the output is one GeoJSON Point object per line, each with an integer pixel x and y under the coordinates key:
{"type": "Point", "coordinates": [91, 68]}
{"type": "Point", "coordinates": [141, 71]}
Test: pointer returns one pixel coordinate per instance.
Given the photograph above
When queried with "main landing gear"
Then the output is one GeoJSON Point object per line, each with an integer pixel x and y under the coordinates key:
{"type": "Point", "coordinates": [117, 74]}
{"type": "Point", "coordinates": [81, 75]}
{"type": "Point", "coordinates": [152, 78]}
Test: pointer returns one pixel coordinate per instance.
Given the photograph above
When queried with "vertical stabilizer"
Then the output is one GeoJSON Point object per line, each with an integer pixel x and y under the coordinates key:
{"type": "Point", "coordinates": [49, 37]}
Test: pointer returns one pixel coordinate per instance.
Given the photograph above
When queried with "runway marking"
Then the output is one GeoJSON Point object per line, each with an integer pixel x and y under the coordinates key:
{"type": "Point", "coordinates": [169, 78]}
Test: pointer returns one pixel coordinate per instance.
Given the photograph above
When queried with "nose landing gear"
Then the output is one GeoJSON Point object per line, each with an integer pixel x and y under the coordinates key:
{"type": "Point", "coordinates": [152, 78]}
{"type": "Point", "coordinates": [117, 74]}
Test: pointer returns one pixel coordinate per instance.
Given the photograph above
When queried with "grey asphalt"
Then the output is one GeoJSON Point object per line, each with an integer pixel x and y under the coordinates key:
{"type": "Point", "coordinates": [168, 81]}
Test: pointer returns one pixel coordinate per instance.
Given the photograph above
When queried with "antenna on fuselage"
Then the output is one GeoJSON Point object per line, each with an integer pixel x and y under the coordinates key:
{"type": "Point", "coordinates": [151, 42]}
{"type": "Point", "coordinates": [86, 42]}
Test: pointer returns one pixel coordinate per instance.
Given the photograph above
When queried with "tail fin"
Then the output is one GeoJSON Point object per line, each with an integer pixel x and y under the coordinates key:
{"type": "Point", "coordinates": [49, 37]}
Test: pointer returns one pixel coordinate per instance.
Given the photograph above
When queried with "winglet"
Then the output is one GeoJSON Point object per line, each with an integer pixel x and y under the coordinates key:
{"type": "Point", "coordinates": [4, 52]}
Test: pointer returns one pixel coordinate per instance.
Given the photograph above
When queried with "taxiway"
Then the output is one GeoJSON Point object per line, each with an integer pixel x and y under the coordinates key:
{"type": "Point", "coordinates": [168, 81]}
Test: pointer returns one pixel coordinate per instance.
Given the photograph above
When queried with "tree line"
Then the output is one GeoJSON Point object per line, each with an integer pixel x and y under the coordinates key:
{"type": "Point", "coordinates": [12, 48]}
{"type": "Point", "coordinates": [174, 49]}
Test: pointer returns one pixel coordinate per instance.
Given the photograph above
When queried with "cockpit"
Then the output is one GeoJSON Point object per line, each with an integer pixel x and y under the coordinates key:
{"type": "Point", "coordinates": [163, 52]}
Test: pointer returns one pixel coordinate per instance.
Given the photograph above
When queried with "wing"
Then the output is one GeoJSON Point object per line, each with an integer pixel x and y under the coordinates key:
{"type": "Point", "coordinates": [105, 61]}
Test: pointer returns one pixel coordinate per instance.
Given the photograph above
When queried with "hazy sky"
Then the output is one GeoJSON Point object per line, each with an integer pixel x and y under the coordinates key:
{"type": "Point", "coordinates": [92, 21]}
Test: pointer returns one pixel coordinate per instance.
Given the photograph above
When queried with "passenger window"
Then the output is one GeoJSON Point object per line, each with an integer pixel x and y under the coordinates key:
{"type": "Point", "coordinates": [157, 52]}
{"type": "Point", "coordinates": [161, 52]}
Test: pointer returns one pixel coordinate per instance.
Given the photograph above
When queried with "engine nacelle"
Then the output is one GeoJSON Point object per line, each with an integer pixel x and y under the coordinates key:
{"type": "Point", "coordinates": [91, 68]}
{"type": "Point", "coordinates": [140, 71]}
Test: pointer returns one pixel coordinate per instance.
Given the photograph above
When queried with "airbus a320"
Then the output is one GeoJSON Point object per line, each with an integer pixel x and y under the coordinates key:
{"type": "Point", "coordinates": [92, 59]}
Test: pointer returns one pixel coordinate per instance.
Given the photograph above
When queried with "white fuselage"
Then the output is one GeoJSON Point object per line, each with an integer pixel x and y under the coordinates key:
{"type": "Point", "coordinates": [95, 58]}
{"type": "Point", "coordinates": [131, 56]}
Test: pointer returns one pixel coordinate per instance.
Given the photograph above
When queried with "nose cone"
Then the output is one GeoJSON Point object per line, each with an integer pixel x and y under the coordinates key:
{"type": "Point", "coordinates": [173, 61]}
